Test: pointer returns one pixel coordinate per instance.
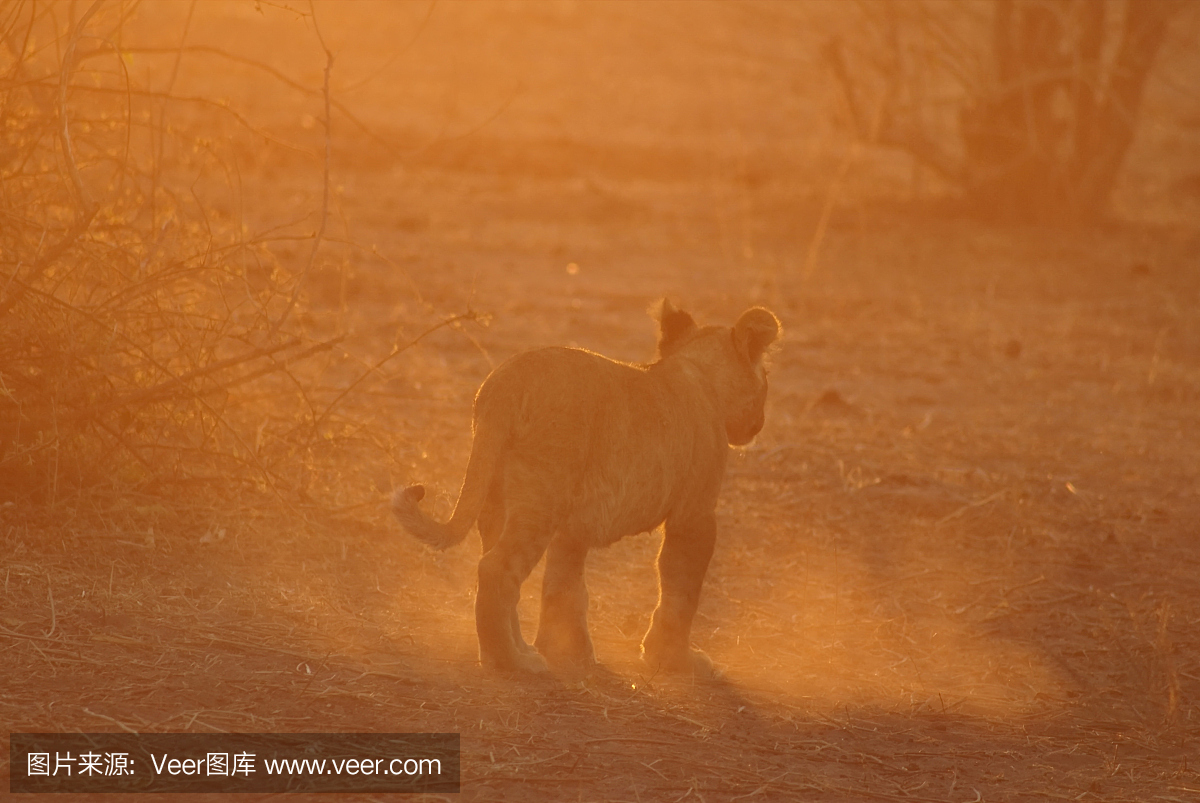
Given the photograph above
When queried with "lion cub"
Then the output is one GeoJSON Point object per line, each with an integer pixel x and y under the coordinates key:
{"type": "Point", "coordinates": [572, 451]}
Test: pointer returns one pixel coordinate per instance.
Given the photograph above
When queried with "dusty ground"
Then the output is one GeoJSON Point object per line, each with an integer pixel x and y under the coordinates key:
{"type": "Point", "coordinates": [959, 563]}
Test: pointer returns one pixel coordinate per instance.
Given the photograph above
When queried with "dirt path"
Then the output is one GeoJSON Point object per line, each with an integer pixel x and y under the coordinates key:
{"type": "Point", "coordinates": [946, 570]}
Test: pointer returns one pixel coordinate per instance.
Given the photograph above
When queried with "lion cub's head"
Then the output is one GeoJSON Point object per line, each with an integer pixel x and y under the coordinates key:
{"type": "Point", "coordinates": [732, 357]}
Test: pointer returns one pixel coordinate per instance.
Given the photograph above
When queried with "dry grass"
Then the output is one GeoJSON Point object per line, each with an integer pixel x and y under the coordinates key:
{"type": "Point", "coordinates": [957, 565]}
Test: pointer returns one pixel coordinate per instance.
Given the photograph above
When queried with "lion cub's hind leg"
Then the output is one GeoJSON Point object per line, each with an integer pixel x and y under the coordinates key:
{"type": "Point", "coordinates": [491, 515]}
{"type": "Point", "coordinates": [683, 560]}
{"type": "Point", "coordinates": [491, 527]}
{"type": "Point", "coordinates": [502, 569]}
{"type": "Point", "coordinates": [562, 627]}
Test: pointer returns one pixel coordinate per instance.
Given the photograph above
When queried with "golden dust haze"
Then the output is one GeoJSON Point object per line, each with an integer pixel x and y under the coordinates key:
{"type": "Point", "coordinates": [260, 256]}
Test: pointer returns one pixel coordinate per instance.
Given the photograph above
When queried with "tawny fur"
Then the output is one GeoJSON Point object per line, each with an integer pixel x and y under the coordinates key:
{"type": "Point", "coordinates": [572, 451]}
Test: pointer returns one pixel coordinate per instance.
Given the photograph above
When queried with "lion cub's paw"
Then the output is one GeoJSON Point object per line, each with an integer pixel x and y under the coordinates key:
{"type": "Point", "coordinates": [693, 662]}
{"type": "Point", "coordinates": [531, 663]}
{"type": "Point", "coordinates": [521, 663]}
{"type": "Point", "coordinates": [701, 666]}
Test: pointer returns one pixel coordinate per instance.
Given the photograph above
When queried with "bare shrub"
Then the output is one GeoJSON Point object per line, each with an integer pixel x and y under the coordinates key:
{"type": "Point", "coordinates": [148, 342]}
{"type": "Point", "coordinates": [1027, 107]}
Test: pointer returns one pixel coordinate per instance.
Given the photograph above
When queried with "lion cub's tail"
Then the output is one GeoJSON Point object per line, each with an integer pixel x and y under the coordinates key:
{"type": "Point", "coordinates": [485, 452]}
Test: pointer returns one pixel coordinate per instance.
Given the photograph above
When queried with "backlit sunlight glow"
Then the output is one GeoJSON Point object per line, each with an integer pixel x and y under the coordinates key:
{"type": "Point", "coordinates": [257, 258]}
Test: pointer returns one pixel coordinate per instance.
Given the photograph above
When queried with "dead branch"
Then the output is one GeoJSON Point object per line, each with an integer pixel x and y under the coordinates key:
{"type": "Point", "coordinates": [64, 81]}
{"type": "Point", "coordinates": [312, 254]}
{"type": "Point", "coordinates": [165, 389]}
{"type": "Point", "coordinates": [469, 315]}
{"type": "Point", "coordinates": [886, 131]}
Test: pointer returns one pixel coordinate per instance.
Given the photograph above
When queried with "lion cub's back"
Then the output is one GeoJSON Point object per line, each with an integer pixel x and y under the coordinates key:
{"type": "Point", "coordinates": [555, 388]}
{"type": "Point", "coordinates": [556, 401]}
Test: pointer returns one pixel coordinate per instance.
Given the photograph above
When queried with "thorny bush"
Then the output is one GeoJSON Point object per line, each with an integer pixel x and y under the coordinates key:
{"type": "Point", "coordinates": [148, 342]}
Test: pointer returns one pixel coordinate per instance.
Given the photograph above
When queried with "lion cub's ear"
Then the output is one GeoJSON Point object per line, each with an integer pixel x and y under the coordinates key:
{"type": "Point", "coordinates": [755, 330]}
{"type": "Point", "coordinates": [673, 325]}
